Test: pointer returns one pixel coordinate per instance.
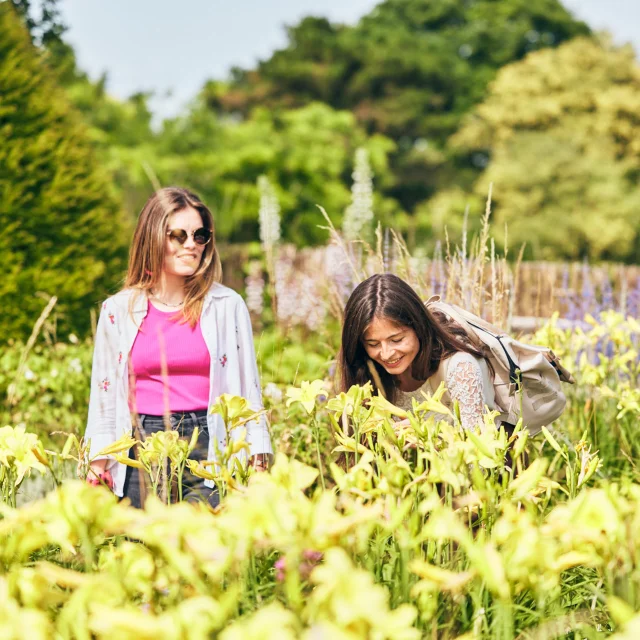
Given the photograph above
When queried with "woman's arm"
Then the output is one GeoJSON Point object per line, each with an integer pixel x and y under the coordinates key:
{"type": "Point", "coordinates": [464, 382]}
{"type": "Point", "coordinates": [258, 436]}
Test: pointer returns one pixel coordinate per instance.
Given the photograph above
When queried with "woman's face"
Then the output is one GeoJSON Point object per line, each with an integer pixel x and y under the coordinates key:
{"type": "Point", "coordinates": [391, 345]}
{"type": "Point", "coordinates": [183, 260]}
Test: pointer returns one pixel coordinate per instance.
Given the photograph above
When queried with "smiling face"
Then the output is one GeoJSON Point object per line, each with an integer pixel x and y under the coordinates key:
{"type": "Point", "coordinates": [391, 345]}
{"type": "Point", "coordinates": [183, 260]}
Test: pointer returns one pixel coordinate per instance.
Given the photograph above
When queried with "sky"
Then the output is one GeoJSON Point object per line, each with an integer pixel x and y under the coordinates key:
{"type": "Point", "coordinates": [171, 47]}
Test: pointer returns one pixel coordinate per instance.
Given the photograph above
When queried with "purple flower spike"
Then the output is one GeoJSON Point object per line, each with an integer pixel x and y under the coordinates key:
{"type": "Point", "coordinates": [588, 297]}
{"type": "Point", "coordinates": [607, 295]}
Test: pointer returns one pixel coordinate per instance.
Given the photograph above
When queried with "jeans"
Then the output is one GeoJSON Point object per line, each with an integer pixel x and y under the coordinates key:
{"type": "Point", "coordinates": [193, 488]}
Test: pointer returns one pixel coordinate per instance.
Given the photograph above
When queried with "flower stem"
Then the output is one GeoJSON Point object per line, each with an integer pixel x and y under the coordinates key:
{"type": "Point", "coordinates": [316, 434]}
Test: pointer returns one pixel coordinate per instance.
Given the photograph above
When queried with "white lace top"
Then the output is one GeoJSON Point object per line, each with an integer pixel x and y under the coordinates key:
{"type": "Point", "coordinates": [468, 381]}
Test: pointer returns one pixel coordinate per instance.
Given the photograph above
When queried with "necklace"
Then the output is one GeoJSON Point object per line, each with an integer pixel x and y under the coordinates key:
{"type": "Point", "coordinates": [166, 304]}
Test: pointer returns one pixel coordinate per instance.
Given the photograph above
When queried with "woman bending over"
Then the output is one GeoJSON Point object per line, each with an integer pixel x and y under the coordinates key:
{"type": "Point", "coordinates": [389, 330]}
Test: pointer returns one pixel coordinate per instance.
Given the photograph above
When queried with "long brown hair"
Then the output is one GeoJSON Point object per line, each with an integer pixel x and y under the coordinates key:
{"type": "Point", "coordinates": [387, 296]}
{"type": "Point", "coordinates": [147, 253]}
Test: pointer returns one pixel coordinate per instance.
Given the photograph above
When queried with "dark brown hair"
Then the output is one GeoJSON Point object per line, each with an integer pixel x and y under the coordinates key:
{"type": "Point", "coordinates": [387, 296]}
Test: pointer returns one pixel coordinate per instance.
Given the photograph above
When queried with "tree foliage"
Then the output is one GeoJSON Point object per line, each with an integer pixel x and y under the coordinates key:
{"type": "Point", "coordinates": [561, 151]}
{"type": "Point", "coordinates": [62, 231]}
{"type": "Point", "coordinates": [308, 153]}
{"type": "Point", "coordinates": [44, 23]}
{"type": "Point", "coordinates": [120, 130]}
{"type": "Point", "coordinates": [410, 67]}
{"type": "Point", "coordinates": [562, 131]}
{"type": "Point", "coordinates": [410, 70]}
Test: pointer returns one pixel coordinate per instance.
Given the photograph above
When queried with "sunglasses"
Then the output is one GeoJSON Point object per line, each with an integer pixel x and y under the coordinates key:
{"type": "Point", "coordinates": [200, 236]}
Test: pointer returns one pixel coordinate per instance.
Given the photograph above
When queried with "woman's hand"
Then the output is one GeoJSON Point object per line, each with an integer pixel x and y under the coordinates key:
{"type": "Point", "coordinates": [260, 462]}
{"type": "Point", "coordinates": [98, 474]}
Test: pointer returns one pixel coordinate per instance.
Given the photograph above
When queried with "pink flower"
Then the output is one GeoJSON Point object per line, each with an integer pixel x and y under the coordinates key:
{"type": "Point", "coordinates": [312, 556]}
{"type": "Point", "coordinates": [223, 360]}
{"type": "Point", "coordinates": [112, 318]}
{"type": "Point", "coordinates": [104, 384]}
{"type": "Point", "coordinates": [280, 566]}
{"type": "Point", "coordinates": [310, 560]}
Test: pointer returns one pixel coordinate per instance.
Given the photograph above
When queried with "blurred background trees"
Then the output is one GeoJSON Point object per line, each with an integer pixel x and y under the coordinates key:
{"type": "Point", "coordinates": [306, 152]}
{"type": "Point", "coordinates": [409, 70]}
{"type": "Point", "coordinates": [446, 96]}
{"type": "Point", "coordinates": [63, 232]}
{"type": "Point", "coordinates": [561, 132]}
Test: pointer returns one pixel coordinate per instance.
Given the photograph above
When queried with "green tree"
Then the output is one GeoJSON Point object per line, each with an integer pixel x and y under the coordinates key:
{"type": "Point", "coordinates": [120, 130]}
{"type": "Point", "coordinates": [44, 24]}
{"type": "Point", "coordinates": [409, 70]}
{"type": "Point", "coordinates": [62, 229]}
{"type": "Point", "coordinates": [121, 134]}
{"type": "Point", "coordinates": [562, 135]}
{"type": "Point", "coordinates": [307, 153]}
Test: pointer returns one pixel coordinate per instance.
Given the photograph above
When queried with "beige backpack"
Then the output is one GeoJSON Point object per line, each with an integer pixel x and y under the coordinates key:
{"type": "Point", "coordinates": [527, 377]}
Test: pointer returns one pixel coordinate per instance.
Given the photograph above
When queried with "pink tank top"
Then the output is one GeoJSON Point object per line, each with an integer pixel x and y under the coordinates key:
{"type": "Point", "coordinates": [187, 361]}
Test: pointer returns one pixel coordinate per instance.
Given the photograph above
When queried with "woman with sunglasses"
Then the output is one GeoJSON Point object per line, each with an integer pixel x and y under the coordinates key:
{"type": "Point", "coordinates": [168, 344]}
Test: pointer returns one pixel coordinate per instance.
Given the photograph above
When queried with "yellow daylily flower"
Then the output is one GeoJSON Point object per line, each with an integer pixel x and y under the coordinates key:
{"type": "Point", "coordinates": [442, 579]}
{"type": "Point", "coordinates": [293, 474]}
{"type": "Point", "coordinates": [122, 444]}
{"type": "Point", "coordinates": [381, 404]}
{"type": "Point", "coordinates": [348, 403]}
{"type": "Point", "coordinates": [200, 471]}
{"type": "Point", "coordinates": [271, 622]}
{"type": "Point", "coordinates": [17, 451]}
{"type": "Point", "coordinates": [130, 462]}
{"type": "Point", "coordinates": [235, 410]}
{"type": "Point", "coordinates": [306, 394]}
{"type": "Point", "coordinates": [434, 403]}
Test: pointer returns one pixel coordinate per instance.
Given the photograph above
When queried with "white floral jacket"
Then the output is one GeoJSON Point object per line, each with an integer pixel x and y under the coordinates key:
{"type": "Point", "coordinates": [226, 328]}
